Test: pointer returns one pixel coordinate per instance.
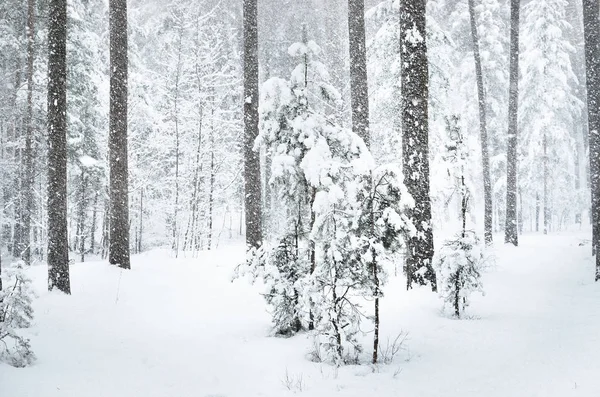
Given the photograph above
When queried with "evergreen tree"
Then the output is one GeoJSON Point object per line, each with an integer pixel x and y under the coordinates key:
{"type": "Point", "coordinates": [548, 107]}
{"type": "Point", "coordinates": [460, 260]}
{"type": "Point", "coordinates": [15, 313]}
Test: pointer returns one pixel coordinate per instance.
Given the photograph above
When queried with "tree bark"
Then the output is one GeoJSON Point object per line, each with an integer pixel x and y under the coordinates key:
{"type": "Point", "coordinates": [58, 249]}
{"type": "Point", "coordinates": [415, 140]}
{"type": "Point", "coordinates": [117, 140]}
{"type": "Point", "coordinates": [359, 91]}
{"type": "Point", "coordinates": [485, 154]}
{"type": "Point", "coordinates": [251, 158]}
{"type": "Point", "coordinates": [511, 231]}
{"type": "Point", "coordinates": [591, 28]}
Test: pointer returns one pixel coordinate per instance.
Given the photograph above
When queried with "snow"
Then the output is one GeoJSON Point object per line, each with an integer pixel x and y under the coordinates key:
{"type": "Point", "coordinates": [180, 327]}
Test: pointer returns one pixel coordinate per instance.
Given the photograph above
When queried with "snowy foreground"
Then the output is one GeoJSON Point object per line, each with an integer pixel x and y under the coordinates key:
{"type": "Point", "coordinates": [180, 327]}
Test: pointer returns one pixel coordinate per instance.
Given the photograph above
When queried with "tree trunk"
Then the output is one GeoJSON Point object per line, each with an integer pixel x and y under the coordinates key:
{"type": "Point", "coordinates": [105, 240]}
{"type": "Point", "coordinates": [58, 249]}
{"type": "Point", "coordinates": [81, 215]}
{"type": "Point", "coordinates": [415, 140]}
{"type": "Point", "coordinates": [251, 158]}
{"type": "Point", "coordinates": [591, 26]}
{"type": "Point", "coordinates": [511, 235]}
{"type": "Point", "coordinates": [94, 223]}
{"type": "Point", "coordinates": [545, 181]}
{"type": "Point", "coordinates": [141, 225]}
{"type": "Point", "coordinates": [28, 180]}
{"type": "Point", "coordinates": [359, 92]}
{"type": "Point", "coordinates": [211, 189]}
{"type": "Point", "coordinates": [190, 234]}
{"type": "Point", "coordinates": [175, 242]}
{"type": "Point", "coordinates": [485, 155]}
{"type": "Point", "coordinates": [117, 140]}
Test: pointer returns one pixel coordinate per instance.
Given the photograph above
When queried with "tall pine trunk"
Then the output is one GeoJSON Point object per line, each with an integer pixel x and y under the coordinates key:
{"type": "Point", "coordinates": [511, 232]}
{"type": "Point", "coordinates": [415, 140]}
{"type": "Point", "coordinates": [591, 27]}
{"type": "Point", "coordinates": [359, 92]}
{"type": "Point", "coordinates": [117, 140]}
{"type": "Point", "coordinates": [485, 154]}
{"type": "Point", "coordinates": [251, 158]}
{"type": "Point", "coordinates": [58, 248]}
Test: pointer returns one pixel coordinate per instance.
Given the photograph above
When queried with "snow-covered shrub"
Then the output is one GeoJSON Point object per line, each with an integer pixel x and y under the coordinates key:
{"type": "Point", "coordinates": [283, 269]}
{"type": "Point", "coordinates": [15, 313]}
{"type": "Point", "coordinates": [460, 262]}
{"type": "Point", "coordinates": [378, 231]}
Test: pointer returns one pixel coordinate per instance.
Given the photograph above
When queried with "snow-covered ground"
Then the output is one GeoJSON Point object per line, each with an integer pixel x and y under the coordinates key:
{"type": "Point", "coordinates": [180, 327]}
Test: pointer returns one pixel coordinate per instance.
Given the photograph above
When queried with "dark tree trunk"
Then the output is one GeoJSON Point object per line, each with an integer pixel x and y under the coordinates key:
{"type": "Point", "coordinates": [485, 154]}
{"type": "Point", "coordinates": [511, 236]}
{"type": "Point", "coordinates": [359, 92]}
{"type": "Point", "coordinates": [117, 140]}
{"type": "Point", "coordinates": [415, 140]}
{"type": "Point", "coordinates": [591, 27]}
{"type": "Point", "coordinates": [251, 158]}
{"type": "Point", "coordinates": [58, 248]}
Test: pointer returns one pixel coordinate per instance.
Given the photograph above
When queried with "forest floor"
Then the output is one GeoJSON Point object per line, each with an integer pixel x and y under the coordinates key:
{"type": "Point", "coordinates": [180, 327]}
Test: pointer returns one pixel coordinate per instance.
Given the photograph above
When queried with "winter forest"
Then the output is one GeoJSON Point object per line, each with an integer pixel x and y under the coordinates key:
{"type": "Point", "coordinates": [225, 198]}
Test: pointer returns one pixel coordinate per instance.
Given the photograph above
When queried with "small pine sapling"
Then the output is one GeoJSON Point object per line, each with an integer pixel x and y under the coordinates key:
{"type": "Point", "coordinates": [16, 312]}
{"type": "Point", "coordinates": [283, 269]}
{"type": "Point", "coordinates": [460, 260]}
{"type": "Point", "coordinates": [379, 229]}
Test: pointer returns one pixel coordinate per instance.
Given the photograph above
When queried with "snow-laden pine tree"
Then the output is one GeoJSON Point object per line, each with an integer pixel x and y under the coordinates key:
{"type": "Point", "coordinates": [16, 313]}
{"type": "Point", "coordinates": [344, 219]}
{"type": "Point", "coordinates": [378, 231]}
{"type": "Point", "coordinates": [293, 130]}
{"type": "Point", "coordinates": [548, 105]}
{"type": "Point", "coordinates": [459, 260]}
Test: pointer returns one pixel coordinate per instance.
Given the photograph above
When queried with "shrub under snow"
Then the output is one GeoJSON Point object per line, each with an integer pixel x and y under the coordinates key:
{"type": "Point", "coordinates": [15, 313]}
{"type": "Point", "coordinates": [460, 263]}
